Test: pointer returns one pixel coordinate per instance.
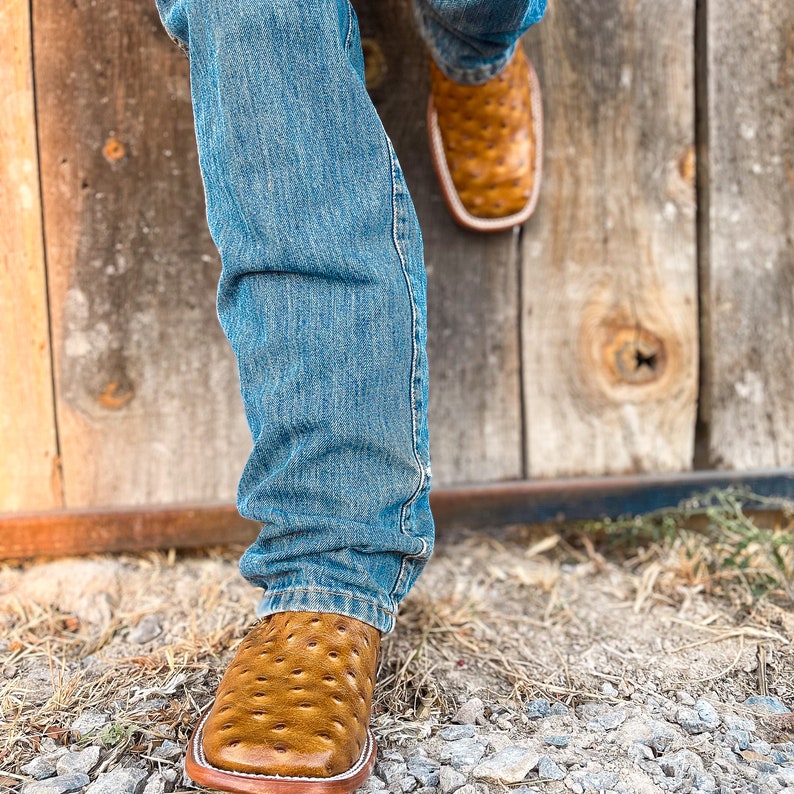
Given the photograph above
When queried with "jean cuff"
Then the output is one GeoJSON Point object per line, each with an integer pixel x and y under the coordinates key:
{"type": "Point", "coordinates": [306, 600]}
{"type": "Point", "coordinates": [472, 75]}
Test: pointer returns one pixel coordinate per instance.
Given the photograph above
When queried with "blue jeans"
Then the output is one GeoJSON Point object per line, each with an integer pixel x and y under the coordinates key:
{"type": "Point", "coordinates": [322, 289]}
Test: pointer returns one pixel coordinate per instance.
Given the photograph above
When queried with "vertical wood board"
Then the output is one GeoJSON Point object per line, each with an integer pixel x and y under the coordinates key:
{"type": "Point", "coordinates": [28, 447]}
{"type": "Point", "coordinates": [609, 277]}
{"type": "Point", "coordinates": [748, 297]}
{"type": "Point", "coordinates": [146, 384]}
{"type": "Point", "coordinates": [475, 403]}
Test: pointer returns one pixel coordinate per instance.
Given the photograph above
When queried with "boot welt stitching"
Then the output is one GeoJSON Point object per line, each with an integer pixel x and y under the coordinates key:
{"type": "Point", "coordinates": [451, 192]}
{"type": "Point", "coordinates": [198, 752]}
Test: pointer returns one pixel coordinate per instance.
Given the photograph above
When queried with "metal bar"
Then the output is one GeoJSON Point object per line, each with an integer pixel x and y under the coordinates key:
{"type": "Point", "coordinates": [85, 531]}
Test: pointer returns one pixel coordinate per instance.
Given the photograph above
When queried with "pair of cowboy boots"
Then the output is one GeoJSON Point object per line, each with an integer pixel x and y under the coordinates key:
{"type": "Point", "coordinates": [291, 715]}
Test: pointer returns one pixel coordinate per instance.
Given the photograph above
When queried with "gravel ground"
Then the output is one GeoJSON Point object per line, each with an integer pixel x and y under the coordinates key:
{"type": "Point", "coordinates": [525, 659]}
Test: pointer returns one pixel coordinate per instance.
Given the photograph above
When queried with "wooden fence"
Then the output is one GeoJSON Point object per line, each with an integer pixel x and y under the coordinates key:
{"type": "Point", "coordinates": [640, 322]}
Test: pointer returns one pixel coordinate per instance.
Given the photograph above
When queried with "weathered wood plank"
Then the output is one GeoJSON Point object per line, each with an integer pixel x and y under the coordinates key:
{"type": "Point", "coordinates": [146, 384]}
{"type": "Point", "coordinates": [475, 404]}
{"type": "Point", "coordinates": [29, 475]}
{"type": "Point", "coordinates": [609, 269]}
{"type": "Point", "coordinates": [748, 284]}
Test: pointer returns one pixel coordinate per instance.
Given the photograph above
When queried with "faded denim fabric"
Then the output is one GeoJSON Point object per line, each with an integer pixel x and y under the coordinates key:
{"type": "Point", "coordinates": [322, 297]}
{"type": "Point", "coordinates": [472, 40]}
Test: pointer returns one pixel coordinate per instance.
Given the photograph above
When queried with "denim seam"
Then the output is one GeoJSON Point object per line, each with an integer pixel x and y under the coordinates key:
{"type": "Point", "coordinates": [414, 356]}
{"type": "Point", "coordinates": [349, 36]}
{"type": "Point", "coordinates": [319, 590]}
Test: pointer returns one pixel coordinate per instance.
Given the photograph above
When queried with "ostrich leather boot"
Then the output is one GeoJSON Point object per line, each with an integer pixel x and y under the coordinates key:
{"type": "Point", "coordinates": [486, 143]}
{"type": "Point", "coordinates": [292, 711]}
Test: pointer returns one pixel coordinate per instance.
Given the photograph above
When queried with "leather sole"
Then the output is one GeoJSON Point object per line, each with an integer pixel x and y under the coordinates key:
{"type": "Point", "coordinates": [203, 773]}
{"type": "Point", "coordinates": [455, 206]}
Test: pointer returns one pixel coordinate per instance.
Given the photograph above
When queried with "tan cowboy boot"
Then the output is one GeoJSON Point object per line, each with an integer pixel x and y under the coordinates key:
{"type": "Point", "coordinates": [487, 145]}
{"type": "Point", "coordinates": [291, 715]}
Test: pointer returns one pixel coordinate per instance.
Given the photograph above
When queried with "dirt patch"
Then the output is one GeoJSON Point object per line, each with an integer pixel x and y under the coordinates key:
{"type": "Point", "coordinates": [509, 617]}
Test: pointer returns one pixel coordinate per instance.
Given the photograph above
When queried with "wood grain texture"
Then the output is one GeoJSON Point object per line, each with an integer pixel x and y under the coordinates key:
{"type": "Point", "coordinates": [29, 476]}
{"type": "Point", "coordinates": [146, 384]}
{"type": "Point", "coordinates": [608, 263]}
{"type": "Point", "coordinates": [748, 284]}
{"type": "Point", "coordinates": [473, 346]}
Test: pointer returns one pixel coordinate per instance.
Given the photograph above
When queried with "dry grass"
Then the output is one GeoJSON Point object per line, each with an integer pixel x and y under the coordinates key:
{"type": "Point", "coordinates": [730, 543]}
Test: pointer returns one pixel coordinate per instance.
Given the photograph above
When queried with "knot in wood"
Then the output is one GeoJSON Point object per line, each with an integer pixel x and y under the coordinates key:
{"type": "Point", "coordinates": [374, 64]}
{"type": "Point", "coordinates": [113, 150]}
{"type": "Point", "coordinates": [116, 395]}
{"type": "Point", "coordinates": [635, 356]}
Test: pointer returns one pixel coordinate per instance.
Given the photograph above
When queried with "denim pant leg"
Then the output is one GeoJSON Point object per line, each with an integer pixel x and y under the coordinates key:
{"type": "Point", "coordinates": [322, 297]}
{"type": "Point", "coordinates": [472, 40]}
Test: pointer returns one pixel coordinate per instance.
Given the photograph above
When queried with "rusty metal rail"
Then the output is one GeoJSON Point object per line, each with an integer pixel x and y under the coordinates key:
{"type": "Point", "coordinates": [57, 533]}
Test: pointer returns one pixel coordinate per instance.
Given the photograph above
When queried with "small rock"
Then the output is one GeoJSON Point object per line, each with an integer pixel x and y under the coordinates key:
{"type": "Point", "coordinates": [548, 770]}
{"type": "Point", "coordinates": [740, 724]}
{"type": "Point", "coordinates": [685, 699]}
{"type": "Point", "coordinates": [119, 781]}
{"type": "Point", "coordinates": [607, 721]}
{"type": "Point", "coordinates": [637, 751]}
{"type": "Point", "coordinates": [147, 629]}
{"type": "Point", "coordinates": [391, 771]}
{"type": "Point", "coordinates": [511, 765]}
{"type": "Point", "coordinates": [73, 762]}
{"type": "Point", "coordinates": [608, 690]}
{"type": "Point", "coordinates": [168, 751]}
{"type": "Point", "coordinates": [558, 710]}
{"type": "Point", "coordinates": [49, 746]}
{"type": "Point", "coordinates": [450, 780]}
{"type": "Point", "coordinates": [455, 732]}
{"type": "Point", "coordinates": [469, 788]}
{"type": "Point", "coordinates": [590, 710]}
{"type": "Point", "coordinates": [155, 784]}
{"type": "Point", "coordinates": [737, 739]}
{"type": "Point", "coordinates": [374, 783]}
{"type": "Point", "coordinates": [172, 774]}
{"type": "Point", "coordinates": [766, 704]}
{"type": "Point", "coordinates": [661, 738]}
{"type": "Point", "coordinates": [406, 784]}
{"type": "Point", "coordinates": [537, 709]}
{"type": "Point", "coordinates": [41, 767]}
{"type": "Point", "coordinates": [471, 712]}
{"type": "Point", "coordinates": [56, 785]}
{"type": "Point", "coordinates": [685, 765]}
{"type": "Point", "coordinates": [786, 775]}
{"type": "Point", "coordinates": [462, 753]}
{"type": "Point", "coordinates": [764, 748]}
{"type": "Point", "coordinates": [557, 741]}
{"type": "Point", "coordinates": [708, 714]}
{"type": "Point", "coordinates": [582, 781]}
{"type": "Point", "coordinates": [779, 758]}
{"type": "Point", "coordinates": [89, 722]}
{"type": "Point", "coordinates": [787, 748]}
{"type": "Point", "coordinates": [424, 769]}
{"type": "Point", "coordinates": [700, 719]}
